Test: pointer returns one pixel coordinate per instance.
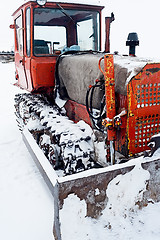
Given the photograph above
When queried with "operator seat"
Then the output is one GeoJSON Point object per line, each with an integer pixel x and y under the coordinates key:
{"type": "Point", "coordinates": [40, 47]}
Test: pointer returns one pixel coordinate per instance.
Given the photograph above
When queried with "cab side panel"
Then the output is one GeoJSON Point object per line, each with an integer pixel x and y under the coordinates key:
{"type": "Point", "coordinates": [43, 71]}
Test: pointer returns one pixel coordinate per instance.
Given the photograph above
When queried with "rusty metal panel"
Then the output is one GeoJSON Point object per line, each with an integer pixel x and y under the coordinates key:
{"type": "Point", "coordinates": [110, 96]}
{"type": "Point", "coordinates": [143, 121]}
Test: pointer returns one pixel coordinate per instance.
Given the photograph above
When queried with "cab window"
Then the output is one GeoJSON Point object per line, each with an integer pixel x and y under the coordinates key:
{"type": "Point", "coordinates": [58, 30]}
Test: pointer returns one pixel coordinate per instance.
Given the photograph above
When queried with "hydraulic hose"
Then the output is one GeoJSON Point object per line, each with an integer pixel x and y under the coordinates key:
{"type": "Point", "coordinates": [89, 105]}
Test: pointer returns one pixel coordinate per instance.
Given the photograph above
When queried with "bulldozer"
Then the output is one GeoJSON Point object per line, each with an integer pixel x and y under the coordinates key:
{"type": "Point", "coordinates": [87, 112]}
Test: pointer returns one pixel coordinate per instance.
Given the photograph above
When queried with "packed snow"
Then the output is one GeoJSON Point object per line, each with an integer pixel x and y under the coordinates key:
{"type": "Point", "coordinates": [26, 205]}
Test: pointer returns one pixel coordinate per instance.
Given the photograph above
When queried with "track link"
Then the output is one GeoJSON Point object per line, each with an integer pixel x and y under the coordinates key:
{"type": "Point", "coordinates": [67, 145]}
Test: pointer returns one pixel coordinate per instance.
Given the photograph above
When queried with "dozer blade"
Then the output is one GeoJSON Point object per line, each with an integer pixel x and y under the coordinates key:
{"type": "Point", "coordinates": [91, 185]}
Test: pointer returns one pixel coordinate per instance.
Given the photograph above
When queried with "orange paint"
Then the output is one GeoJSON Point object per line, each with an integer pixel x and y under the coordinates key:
{"type": "Point", "coordinates": [143, 108]}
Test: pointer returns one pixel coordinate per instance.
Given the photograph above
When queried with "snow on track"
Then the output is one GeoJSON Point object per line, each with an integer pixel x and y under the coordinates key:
{"type": "Point", "coordinates": [26, 205]}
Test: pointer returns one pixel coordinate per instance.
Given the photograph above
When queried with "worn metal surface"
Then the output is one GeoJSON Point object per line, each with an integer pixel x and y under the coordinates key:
{"type": "Point", "coordinates": [110, 96]}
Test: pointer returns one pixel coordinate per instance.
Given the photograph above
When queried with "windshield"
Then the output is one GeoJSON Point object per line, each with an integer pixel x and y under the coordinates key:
{"type": "Point", "coordinates": [58, 30]}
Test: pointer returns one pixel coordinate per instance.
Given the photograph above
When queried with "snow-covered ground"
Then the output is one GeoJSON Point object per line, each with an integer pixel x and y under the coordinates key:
{"type": "Point", "coordinates": [26, 205]}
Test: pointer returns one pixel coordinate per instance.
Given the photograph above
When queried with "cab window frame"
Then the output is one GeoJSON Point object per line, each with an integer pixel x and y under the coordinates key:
{"type": "Point", "coordinates": [98, 26]}
{"type": "Point", "coordinates": [20, 34]}
{"type": "Point", "coordinates": [45, 55]}
{"type": "Point", "coordinates": [28, 31]}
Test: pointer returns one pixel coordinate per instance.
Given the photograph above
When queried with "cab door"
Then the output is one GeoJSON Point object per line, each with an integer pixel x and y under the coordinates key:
{"type": "Point", "coordinates": [19, 52]}
{"type": "Point", "coordinates": [27, 49]}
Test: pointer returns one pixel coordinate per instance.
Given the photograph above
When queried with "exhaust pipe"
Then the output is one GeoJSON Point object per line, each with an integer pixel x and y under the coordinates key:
{"type": "Point", "coordinates": [108, 21]}
{"type": "Point", "coordinates": [132, 42]}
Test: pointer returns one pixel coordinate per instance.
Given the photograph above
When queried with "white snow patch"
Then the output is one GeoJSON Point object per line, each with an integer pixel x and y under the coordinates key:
{"type": "Point", "coordinates": [100, 152]}
{"type": "Point", "coordinates": [131, 64]}
{"type": "Point", "coordinates": [97, 192]}
{"type": "Point", "coordinates": [34, 124]}
{"type": "Point", "coordinates": [73, 213]}
{"type": "Point", "coordinates": [60, 102]}
{"type": "Point", "coordinates": [26, 205]}
{"type": "Point", "coordinates": [124, 191]}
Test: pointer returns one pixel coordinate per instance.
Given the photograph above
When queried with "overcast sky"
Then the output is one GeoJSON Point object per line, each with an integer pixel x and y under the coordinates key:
{"type": "Point", "coordinates": [141, 16]}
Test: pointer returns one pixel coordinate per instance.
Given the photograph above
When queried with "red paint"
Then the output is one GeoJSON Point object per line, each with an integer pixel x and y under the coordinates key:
{"type": "Point", "coordinates": [77, 112]}
{"type": "Point", "coordinates": [37, 72]}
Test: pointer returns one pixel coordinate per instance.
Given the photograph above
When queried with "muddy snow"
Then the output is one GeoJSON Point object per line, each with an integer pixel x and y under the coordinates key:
{"type": "Point", "coordinates": [26, 205]}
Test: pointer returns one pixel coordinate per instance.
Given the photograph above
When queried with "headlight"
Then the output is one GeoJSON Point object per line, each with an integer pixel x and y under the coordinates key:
{"type": "Point", "coordinates": [41, 2]}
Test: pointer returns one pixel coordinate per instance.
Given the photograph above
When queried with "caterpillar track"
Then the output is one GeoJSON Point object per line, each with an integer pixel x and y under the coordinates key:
{"type": "Point", "coordinates": [67, 145]}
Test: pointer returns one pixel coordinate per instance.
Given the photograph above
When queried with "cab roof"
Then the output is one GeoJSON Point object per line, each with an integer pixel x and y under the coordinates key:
{"type": "Point", "coordinates": [79, 3]}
